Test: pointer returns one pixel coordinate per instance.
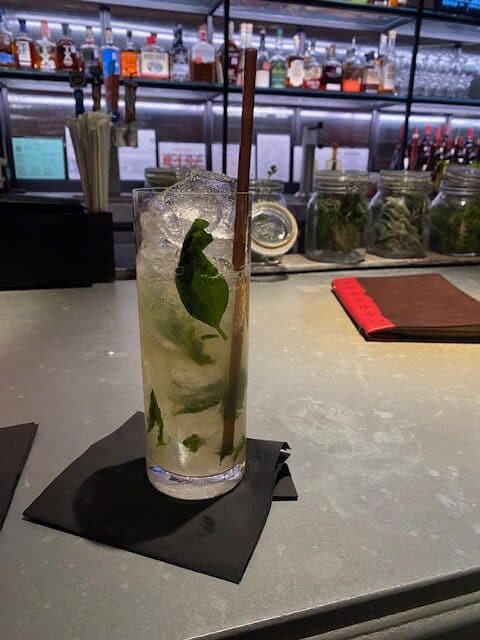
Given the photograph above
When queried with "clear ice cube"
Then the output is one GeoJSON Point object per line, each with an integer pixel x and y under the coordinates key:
{"type": "Point", "coordinates": [201, 194]}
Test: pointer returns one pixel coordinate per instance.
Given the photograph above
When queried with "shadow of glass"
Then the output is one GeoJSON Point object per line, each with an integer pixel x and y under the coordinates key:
{"type": "Point", "coordinates": [118, 505]}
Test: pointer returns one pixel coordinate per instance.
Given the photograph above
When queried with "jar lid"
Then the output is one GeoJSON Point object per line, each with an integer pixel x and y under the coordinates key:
{"type": "Point", "coordinates": [460, 175]}
{"type": "Point", "coordinates": [274, 229]}
{"type": "Point", "coordinates": [404, 177]}
{"type": "Point", "coordinates": [340, 181]}
{"type": "Point", "coordinates": [271, 186]}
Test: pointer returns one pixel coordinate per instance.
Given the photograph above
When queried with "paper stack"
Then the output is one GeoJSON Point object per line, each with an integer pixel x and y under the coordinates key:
{"type": "Point", "coordinates": [91, 137]}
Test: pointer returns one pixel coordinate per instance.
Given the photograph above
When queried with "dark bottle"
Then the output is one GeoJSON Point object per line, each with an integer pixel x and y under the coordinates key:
{"type": "Point", "coordinates": [66, 54]}
{"type": "Point", "coordinates": [179, 63]}
{"type": "Point", "coordinates": [233, 60]}
{"type": "Point", "coordinates": [332, 71]}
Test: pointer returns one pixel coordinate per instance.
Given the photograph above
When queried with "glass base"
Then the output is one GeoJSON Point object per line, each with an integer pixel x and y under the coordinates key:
{"type": "Point", "coordinates": [194, 487]}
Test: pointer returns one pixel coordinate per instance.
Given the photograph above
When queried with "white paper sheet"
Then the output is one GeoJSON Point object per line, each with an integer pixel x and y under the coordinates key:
{"type": "Point", "coordinates": [352, 159]}
{"type": "Point", "coordinates": [182, 154]}
{"type": "Point", "coordinates": [273, 149]}
{"type": "Point", "coordinates": [132, 161]}
{"type": "Point", "coordinates": [232, 159]}
{"type": "Point", "coordinates": [72, 166]}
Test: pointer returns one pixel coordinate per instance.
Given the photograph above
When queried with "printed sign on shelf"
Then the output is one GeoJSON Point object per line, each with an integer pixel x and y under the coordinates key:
{"type": "Point", "coordinates": [232, 159]}
{"type": "Point", "coordinates": [273, 149]}
{"type": "Point", "coordinates": [175, 155]}
{"type": "Point", "coordinates": [348, 158]}
{"type": "Point", "coordinates": [132, 161]}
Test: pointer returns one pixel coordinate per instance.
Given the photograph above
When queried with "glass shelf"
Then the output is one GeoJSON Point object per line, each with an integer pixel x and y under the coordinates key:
{"type": "Point", "coordinates": [201, 7]}
{"type": "Point", "coordinates": [335, 15]}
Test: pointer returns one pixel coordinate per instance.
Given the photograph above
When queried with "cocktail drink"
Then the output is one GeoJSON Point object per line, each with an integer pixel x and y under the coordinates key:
{"type": "Point", "coordinates": [191, 303]}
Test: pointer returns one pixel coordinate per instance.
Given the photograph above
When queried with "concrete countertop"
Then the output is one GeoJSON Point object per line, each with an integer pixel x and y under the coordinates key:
{"type": "Point", "coordinates": [385, 442]}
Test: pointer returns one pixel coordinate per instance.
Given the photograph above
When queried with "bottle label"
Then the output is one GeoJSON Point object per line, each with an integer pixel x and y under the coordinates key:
{"type": "Point", "coordinates": [278, 72]}
{"type": "Point", "coordinates": [24, 53]}
{"type": "Point", "coordinates": [154, 64]}
{"type": "Point", "coordinates": [69, 51]}
{"type": "Point", "coordinates": [6, 59]}
{"type": "Point", "coordinates": [295, 73]}
{"type": "Point", "coordinates": [262, 78]}
{"type": "Point", "coordinates": [388, 77]}
{"type": "Point", "coordinates": [47, 61]}
{"type": "Point", "coordinates": [312, 78]}
{"type": "Point", "coordinates": [371, 80]}
{"type": "Point", "coordinates": [180, 71]}
{"type": "Point", "coordinates": [111, 62]}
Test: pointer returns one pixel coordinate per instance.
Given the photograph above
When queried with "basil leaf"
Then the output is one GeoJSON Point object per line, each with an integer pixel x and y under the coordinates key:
{"type": "Point", "coordinates": [209, 336]}
{"type": "Point", "coordinates": [200, 399]}
{"type": "Point", "coordinates": [193, 442]}
{"type": "Point", "coordinates": [203, 291]}
{"type": "Point", "coordinates": [154, 419]}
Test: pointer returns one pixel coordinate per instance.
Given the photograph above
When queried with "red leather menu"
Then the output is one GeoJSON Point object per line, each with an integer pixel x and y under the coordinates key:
{"type": "Point", "coordinates": [425, 306]}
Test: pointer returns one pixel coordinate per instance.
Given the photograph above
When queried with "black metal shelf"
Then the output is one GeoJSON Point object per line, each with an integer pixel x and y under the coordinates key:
{"type": "Point", "coordinates": [441, 16]}
{"type": "Point", "coordinates": [445, 102]}
{"type": "Point", "coordinates": [312, 93]}
{"type": "Point", "coordinates": [405, 12]}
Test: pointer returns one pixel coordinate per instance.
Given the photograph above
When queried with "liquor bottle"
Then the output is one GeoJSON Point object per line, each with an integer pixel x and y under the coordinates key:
{"type": "Point", "coordinates": [278, 64]}
{"type": "Point", "coordinates": [89, 53]}
{"type": "Point", "coordinates": [203, 58]}
{"type": "Point", "coordinates": [262, 76]}
{"type": "Point", "coordinates": [371, 73]}
{"type": "Point", "coordinates": [312, 75]}
{"type": "Point", "coordinates": [154, 61]}
{"type": "Point", "coordinates": [45, 50]}
{"type": "Point", "coordinates": [413, 150]}
{"type": "Point", "coordinates": [24, 47]}
{"type": "Point", "coordinates": [332, 71]}
{"type": "Point", "coordinates": [246, 31]}
{"type": "Point", "coordinates": [233, 60]}
{"type": "Point", "coordinates": [352, 70]}
{"type": "Point", "coordinates": [129, 58]}
{"type": "Point", "coordinates": [424, 160]}
{"type": "Point", "coordinates": [459, 153]}
{"type": "Point", "coordinates": [469, 151]}
{"type": "Point", "coordinates": [388, 68]}
{"type": "Point", "coordinates": [296, 61]}
{"type": "Point", "coordinates": [66, 57]}
{"type": "Point", "coordinates": [7, 45]}
{"type": "Point", "coordinates": [179, 64]}
{"type": "Point", "coordinates": [111, 73]}
{"type": "Point", "coordinates": [110, 55]}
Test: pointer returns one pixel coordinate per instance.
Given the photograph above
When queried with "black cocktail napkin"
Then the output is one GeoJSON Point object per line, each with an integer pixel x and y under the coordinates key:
{"type": "Point", "coordinates": [15, 444]}
{"type": "Point", "coordinates": [105, 496]}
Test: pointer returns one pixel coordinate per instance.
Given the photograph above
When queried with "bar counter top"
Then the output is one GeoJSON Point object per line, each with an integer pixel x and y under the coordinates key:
{"type": "Point", "coordinates": [385, 441]}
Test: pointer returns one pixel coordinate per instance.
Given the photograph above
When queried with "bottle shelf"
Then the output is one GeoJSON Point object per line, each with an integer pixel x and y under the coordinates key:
{"type": "Point", "coordinates": [286, 97]}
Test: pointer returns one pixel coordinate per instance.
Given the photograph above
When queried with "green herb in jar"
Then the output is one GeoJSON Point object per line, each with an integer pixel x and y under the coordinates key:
{"type": "Point", "coordinates": [456, 229]}
{"type": "Point", "coordinates": [399, 226]}
{"type": "Point", "coordinates": [340, 221]}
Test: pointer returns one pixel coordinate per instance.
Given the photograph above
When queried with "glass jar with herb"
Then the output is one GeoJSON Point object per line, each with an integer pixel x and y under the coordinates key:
{"type": "Point", "coordinates": [400, 215]}
{"type": "Point", "coordinates": [337, 215]}
{"type": "Point", "coordinates": [455, 224]}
